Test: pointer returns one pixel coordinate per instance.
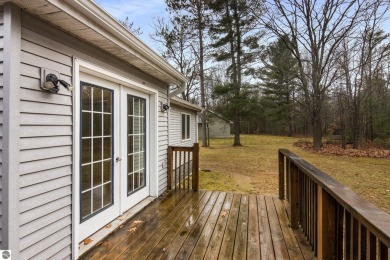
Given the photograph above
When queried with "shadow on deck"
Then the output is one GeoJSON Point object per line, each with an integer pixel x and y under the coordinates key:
{"type": "Point", "coordinates": [206, 225]}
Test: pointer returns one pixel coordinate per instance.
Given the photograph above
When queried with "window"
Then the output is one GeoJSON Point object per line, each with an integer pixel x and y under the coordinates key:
{"type": "Point", "coordinates": [185, 126]}
{"type": "Point", "coordinates": [96, 149]}
{"type": "Point", "coordinates": [136, 144]}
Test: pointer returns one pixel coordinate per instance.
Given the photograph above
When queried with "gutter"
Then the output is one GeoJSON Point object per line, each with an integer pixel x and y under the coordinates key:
{"type": "Point", "coordinates": [179, 90]}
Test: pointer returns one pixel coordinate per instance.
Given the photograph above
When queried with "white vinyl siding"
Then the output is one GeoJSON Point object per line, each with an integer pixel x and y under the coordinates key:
{"type": "Point", "coordinates": [162, 143]}
{"type": "Point", "coordinates": [47, 137]}
{"type": "Point", "coordinates": [1, 123]}
{"type": "Point", "coordinates": [175, 126]}
{"type": "Point", "coordinates": [45, 155]}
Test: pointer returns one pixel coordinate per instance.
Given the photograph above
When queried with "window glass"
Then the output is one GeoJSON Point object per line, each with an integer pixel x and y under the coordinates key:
{"type": "Point", "coordinates": [96, 149]}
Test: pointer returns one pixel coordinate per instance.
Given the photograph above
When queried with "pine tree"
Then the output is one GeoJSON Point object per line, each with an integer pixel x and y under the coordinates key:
{"type": "Point", "coordinates": [235, 41]}
{"type": "Point", "coordinates": [279, 77]}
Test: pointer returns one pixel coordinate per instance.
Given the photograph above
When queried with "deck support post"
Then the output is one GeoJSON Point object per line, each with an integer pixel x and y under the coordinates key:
{"type": "Point", "coordinates": [169, 170]}
{"type": "Point", "coordinates": [326, 225]}
{"type": "Point", "coordinates": [195, 168]}
{"type": "Point", "coordinates": [281, 176]}
{"type": "Point", "coordinates": [293, 209]}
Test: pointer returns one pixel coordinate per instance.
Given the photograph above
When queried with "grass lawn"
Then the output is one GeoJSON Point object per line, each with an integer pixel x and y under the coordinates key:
{"type": "Point", "coordinates": [253, 168]}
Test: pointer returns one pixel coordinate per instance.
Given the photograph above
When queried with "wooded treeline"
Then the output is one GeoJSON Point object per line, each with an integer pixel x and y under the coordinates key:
{"type": "Point", "coordinates": [311, 68]}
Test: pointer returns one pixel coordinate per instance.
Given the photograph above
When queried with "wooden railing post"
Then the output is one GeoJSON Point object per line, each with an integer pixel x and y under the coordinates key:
{"type": "Point", "coordinates": [281, 176]}
{"type": "Point", "coordinates": [293, 190]}
{"type": "Point", "coordinates": [170, 168]}
{"type": "Point", "coordinates": [195, 167]}
{"type": "Point", "coordinates": [326, 225]}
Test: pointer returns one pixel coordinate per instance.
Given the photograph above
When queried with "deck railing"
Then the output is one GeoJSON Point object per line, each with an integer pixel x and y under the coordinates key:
{"type": "Point", "coordinates": [338, 223]}
{"type": "Point", "coordinates": [183, 167]}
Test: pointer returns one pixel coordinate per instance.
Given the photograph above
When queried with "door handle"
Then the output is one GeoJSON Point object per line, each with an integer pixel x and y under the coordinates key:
{"type": "Point", "coordinates": [118, 159]}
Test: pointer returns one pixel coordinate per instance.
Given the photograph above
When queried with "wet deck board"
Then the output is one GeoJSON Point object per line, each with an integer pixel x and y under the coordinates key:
{"type": "Point", "coordinates": [205, 225]}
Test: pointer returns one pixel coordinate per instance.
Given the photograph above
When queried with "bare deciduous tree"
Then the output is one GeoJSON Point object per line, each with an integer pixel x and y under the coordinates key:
{"type": "Point", "coordinates": [316, 29]}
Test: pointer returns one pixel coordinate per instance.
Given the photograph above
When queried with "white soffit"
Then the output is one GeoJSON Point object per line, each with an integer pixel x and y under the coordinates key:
{"type": "Point", "coordinates": [87, 21]}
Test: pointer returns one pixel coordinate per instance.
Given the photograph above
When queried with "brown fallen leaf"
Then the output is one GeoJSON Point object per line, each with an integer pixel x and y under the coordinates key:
{"type": "Point", "coordinates": [137, 221]}
{"type": "Point", "coordinates": [223, 213]}
{"type": "Point", "coordinates": [98, 244]}
{"type": "Point", "coordinates": [132, 229]}
{"type": "Point", "coordinates": [108, 226]}
{"type": "Point", "coordinates": [87, 241]}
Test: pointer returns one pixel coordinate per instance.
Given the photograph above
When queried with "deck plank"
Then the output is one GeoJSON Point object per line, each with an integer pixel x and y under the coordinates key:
{"type": "Point", "coordinates": [206, 225]}
{"type": "Point", "coordinates": [278, 242]}
{"type": "Point", "coordinates": [227, 246]}
{"type": "Point", "coordinates": [133, 233]}
{"type": "Point", "coordinates": [203, 240]}
{"type": "Point", "coordinates": [241, 239]}
{"type": "Point", "coordinates": [289, 237]}
{"type": "Point", "coordinates": [214, 246]}
{"type": "Point", "coordinates": [148, 245]}
{"type": "Point", "coordinates": [190, 231]}
{"type": "Point", "coordinates": [266, 248]}
{"type": "Point", "coordinates": [116, 238]}
{"type": "Point", "coordinates": [253, 248]}
{"type": "Point", "coordinates": [187, 217]}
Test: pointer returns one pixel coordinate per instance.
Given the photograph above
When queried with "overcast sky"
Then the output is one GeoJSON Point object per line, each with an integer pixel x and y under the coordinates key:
{"type": "Point", "coordinates": [140, 12]}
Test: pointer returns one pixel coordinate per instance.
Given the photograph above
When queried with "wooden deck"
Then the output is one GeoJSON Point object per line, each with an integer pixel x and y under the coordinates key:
{"type": "Point", "coordinates": [206, 225]}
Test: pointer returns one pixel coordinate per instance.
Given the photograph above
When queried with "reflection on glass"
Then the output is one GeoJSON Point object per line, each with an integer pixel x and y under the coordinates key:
{"type": "Point", "coordinates": [97, 174]}
{"type": "Point", "coordinates": [107, 148]}
{"type": "Point", "coordinates": [86, 98]}
{"type": "Point", "coordinates": [85, 203]}
{"type": "Point", "coordinates": [97, 100]}
{"type": "Point", "coordinates": [97, 124]}
{"type": "Point", "coordinates": [86, 126]}
{"type": "Point", "coordinates": [86, 151]}
{"type": "Point", "coordinates": [130, 182]}
{"type": "Point", "coordinates": [97, 149]}
{"type": "Point", "coordinates": [97, 198]}
{"type": "Point", "coordinates": [107, 171]}
{"type": "Point", "coordinates": [86, 177]}
{"type": "Point", "coordinates": [107, 124]}
{"type": "Point", "coordinates": [107, 194]}
{"type": "Point", "coordinates": [107, 104]}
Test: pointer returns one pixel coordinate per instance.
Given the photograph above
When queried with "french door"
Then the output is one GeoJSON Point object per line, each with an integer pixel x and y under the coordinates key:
{"type": "Point", "coordinates": [114, 175]}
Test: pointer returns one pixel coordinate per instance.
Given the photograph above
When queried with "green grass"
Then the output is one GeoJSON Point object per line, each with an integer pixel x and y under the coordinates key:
{"type": "Point", "coordinates": [253, 168]}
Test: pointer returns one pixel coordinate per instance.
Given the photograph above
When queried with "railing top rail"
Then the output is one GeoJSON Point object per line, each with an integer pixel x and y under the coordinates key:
{"type": "Point", "coordinates": [375, 219]}
{"type": "Point", "coordinates": [182, 148]}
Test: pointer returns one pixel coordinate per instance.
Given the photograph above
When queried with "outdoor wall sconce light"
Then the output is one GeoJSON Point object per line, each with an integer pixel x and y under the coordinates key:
{"type": "Point", "coordinates": [164, 107]}
{"type": "Point", "coordinates": [52, 84]}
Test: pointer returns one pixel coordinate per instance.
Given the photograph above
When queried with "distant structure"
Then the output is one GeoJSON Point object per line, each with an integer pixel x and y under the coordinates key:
{"type": "Point", "coordinates": [217, 125]}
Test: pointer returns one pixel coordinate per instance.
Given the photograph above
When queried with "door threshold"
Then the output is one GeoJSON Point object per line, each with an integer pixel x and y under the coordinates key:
{"type": "Point", "coordinates": [99, 235]}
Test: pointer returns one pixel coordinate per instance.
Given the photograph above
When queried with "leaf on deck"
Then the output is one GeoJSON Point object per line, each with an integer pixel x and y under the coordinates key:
{"type": "Point", "coordinates": [87, 241]}
{"type": "Point", "coordinates": [132, 229]}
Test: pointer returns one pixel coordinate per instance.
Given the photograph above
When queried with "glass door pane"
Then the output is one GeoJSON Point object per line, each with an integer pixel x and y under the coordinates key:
{"type": "Point", "coordinates": [136, 140]}
{"type": "Point", "coordinates": [96, 150]}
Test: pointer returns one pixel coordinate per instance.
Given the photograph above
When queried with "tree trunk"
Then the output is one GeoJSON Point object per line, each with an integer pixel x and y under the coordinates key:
{"type": "Point", "coordinates": [201, 74]}
{"type": "Point", "coordinates": [317, 130]}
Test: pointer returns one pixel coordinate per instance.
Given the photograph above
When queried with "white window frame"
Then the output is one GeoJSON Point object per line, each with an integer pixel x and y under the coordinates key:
{"type": "Point", "coordinates": [185, 126]}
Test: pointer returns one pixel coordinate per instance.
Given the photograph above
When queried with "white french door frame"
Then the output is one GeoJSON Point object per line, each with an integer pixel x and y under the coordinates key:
{"type": "Point", "coordinates": [123, 82]}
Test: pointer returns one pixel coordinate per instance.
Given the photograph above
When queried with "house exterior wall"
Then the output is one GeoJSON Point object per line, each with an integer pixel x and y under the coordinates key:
{"type": "Point", "coordinates": [46, 137]}
{"type": "Point", "coordinates": [175, 126]}
{"type": "Point", "coordinates": [1, 124]}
